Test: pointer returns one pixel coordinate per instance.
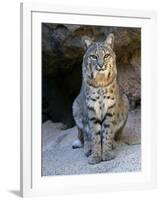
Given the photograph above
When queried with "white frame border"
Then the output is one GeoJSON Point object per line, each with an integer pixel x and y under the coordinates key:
{"type": "Point", "coordinates": [27, 172]}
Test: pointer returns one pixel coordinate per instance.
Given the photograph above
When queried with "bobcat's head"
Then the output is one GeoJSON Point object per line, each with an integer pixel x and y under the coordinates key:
{"type": "Point", "coordinates": [99, 62]}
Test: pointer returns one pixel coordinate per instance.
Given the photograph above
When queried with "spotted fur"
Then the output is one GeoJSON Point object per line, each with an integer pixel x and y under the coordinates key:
{"type": "Point", "coordinates": [100, 110]}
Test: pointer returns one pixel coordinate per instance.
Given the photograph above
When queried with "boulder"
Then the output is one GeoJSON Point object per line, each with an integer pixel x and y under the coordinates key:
{"type": "Point", "coordinates": [131, 133]}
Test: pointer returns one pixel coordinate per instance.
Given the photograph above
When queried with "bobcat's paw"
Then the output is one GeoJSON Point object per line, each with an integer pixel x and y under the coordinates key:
{"type": "Point", "coordinates": [108, 156]}
{"type": "Point", "coordinates": [77, 144]}
{"type": "Point", "coordinates": [93, 160]}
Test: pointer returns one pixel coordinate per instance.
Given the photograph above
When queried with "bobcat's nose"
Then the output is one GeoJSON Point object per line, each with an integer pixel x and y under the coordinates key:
{"type": "Point", "coordinates": [100, 68]}
{"type": "Point", "coordinates": [100, 63]}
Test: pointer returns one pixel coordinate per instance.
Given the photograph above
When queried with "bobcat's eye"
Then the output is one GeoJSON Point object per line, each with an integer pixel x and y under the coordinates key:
{"type": "Point", "coordinates": [106, 55]}
{"type": "Point", "coordinates": [93, 57]}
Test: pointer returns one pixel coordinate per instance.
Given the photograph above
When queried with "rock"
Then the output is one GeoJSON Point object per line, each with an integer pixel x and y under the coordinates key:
{"type": "Point", "coordinates": [132, 131]}
{"type": "Point", "coordinates": [62, 53]}
{"type": "Point", "coordinates": [130, 82]}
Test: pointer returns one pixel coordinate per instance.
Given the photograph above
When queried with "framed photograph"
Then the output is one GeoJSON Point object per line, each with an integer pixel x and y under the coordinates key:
{"type": "Point", "coordinates": [88, 79]}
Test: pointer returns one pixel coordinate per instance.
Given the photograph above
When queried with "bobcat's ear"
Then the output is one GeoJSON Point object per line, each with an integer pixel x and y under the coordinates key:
{"type": "Point", "coordinates": [110, 40]}
{"type": "Point", "coordinates": [86, 41]}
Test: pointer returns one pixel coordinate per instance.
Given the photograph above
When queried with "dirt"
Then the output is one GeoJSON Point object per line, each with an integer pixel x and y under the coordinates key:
{"type": "Point", "coordinates": [58, 157]}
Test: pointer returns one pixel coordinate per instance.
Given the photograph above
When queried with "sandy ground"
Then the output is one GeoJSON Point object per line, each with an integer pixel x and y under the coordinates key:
{"type": "Point", "coordinates": [58, 157]}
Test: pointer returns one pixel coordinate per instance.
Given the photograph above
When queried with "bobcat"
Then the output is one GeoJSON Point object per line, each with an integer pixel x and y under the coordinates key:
{"type": "Point", "coordinates": [101, 109]}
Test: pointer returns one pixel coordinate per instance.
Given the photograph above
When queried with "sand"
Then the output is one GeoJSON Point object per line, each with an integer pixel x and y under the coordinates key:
{"type": "Point", "coordinates": [58, 157]}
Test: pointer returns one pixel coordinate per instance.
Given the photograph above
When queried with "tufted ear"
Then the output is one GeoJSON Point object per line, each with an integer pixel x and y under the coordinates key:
{"type": "Point", "coordinates": [86, 41]}
{"type": "Point", "coordinates": [110, 40]}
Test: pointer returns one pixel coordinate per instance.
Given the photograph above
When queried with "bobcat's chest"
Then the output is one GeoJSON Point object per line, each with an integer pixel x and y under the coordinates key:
{"type": "Point", "coordinates": [100, 100]}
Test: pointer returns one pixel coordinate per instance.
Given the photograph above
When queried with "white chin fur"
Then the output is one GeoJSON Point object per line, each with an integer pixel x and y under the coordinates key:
{"type": "Point", "coordinates": [77, 144]}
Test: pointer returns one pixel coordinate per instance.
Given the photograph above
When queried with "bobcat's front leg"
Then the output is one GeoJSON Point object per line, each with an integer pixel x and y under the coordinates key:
{"type": "Point", "coordinates": [107, 140]}
{"type": "Point", "coordinates": [87, 143]}
{"type": "Point", "coordinates": [95, 130]}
